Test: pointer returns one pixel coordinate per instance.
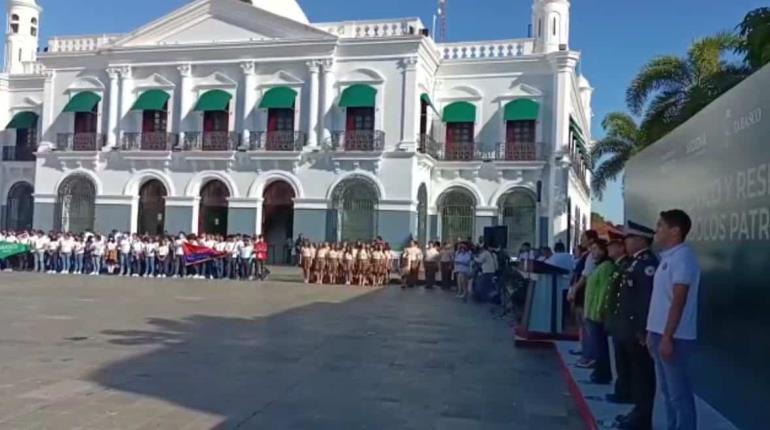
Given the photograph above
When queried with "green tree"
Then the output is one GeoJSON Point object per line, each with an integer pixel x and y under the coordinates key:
{"type": "Point", "coordinates": [669, 89]}
{"type": "Point", "coordinates": [755, 31]}
{"type": "Point", "coordinates": [623, 140]}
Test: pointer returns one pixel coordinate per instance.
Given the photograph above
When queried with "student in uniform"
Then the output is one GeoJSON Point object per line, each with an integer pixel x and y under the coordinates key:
{"type": "Point", "coordinates": [150, 253]}
{"type": "Point", "coordinates": [320, 263]}
{"type": "Point", "coordinates": [348, 262]}
{"type": "Point", "coordinates": [462, 269]}
{"type": "Point", "coordinates": [164, 258]}
{"type": "Point", "coordinates": [307, 252]}
{"type": "Point", "coordinates": [363, 265]}
{"type": "Point", "coordinates": [672, 323]}
{"type": "Point", "coordinates": [378, 266]}
{"type": "Point", "coordinates": [597, 284]}
{"type": "Point", "coordinates": [111, 259]}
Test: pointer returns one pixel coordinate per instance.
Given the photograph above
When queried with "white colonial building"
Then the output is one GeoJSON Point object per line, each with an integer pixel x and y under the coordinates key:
{"type": "Point", "coordinates": [232, 116]}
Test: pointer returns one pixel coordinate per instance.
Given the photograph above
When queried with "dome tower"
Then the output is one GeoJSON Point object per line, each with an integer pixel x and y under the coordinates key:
{"type": "Point", "coordinates": [550, 25]}
{"type": "Point", "coordinates": [21, 34]}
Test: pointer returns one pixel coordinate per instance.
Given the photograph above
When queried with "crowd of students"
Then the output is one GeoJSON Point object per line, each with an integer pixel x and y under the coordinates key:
{"type": "Point", "coordinates": [122, 254]}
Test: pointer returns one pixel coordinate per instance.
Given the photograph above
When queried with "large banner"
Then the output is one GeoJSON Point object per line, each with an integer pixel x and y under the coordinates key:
{"type": "Point", "coordinates": [8, 249]}
{"type": "Point", "coordinates": [717, 168]}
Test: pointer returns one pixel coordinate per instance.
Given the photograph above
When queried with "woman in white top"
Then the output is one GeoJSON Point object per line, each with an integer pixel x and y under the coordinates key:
{"type": "Point", "coordinates": [247, 252]}
{"type": "Point", "coordinates": [79, 251]}
{"type": "Point", "coordinates": [150, 250]}
{"type": "Point", "coordinates": [97, 255]}
{"type": "Point", "coordinates": [164, 261]}
{"type": "Point", "coordinates": [378, 268]}
{"type": "Point", "coordinates": [112, 255]}
{"type": "Point", "coordinates": [307, 260]}
{"type": "Point", "coordinates": [320, 263]}
{"type": "Point", "coordinates": [124, 246]}
{"type": "Point", "coordinates": [137, 254]}
{"type": "Point", "coordinates": [66, 247]}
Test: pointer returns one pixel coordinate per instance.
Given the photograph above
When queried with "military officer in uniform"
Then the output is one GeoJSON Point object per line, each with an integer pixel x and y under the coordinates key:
{"type": "Point", "coordinates": [631, 327]}
{"type": "Point", "coordinates": [617, 252]}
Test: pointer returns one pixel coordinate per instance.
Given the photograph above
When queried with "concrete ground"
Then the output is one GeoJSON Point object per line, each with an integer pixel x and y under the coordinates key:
{"type": "Point", "coordinates": [81, 352]}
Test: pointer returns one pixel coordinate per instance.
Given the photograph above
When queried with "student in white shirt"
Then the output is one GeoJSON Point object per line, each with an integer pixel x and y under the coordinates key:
{"type": "Point", "coordinates": [137, 255]}
{"type": "Point", "coordinates": [180, 268]}
{"type": "Point", "coordinates": [124, 247]}
{"type": "Point", "coordinates": [164, 258]}
{"type": "Point", "coordinates": [40, 246]}
{"type": "Point", "coordinates": [79, 252]}
{"type": "Point", "coordinates": [247, 253]}
{"type": "Point", "coordinates": [150, 251]}
{"type": "Point", "coordinates": [66, 247]}
{"type": "Point", "coordinates": [97, 255]}
{"type": "Point", "coordinates": [672, 322]}
{"type": "Point", "coordinates": [432, 260]}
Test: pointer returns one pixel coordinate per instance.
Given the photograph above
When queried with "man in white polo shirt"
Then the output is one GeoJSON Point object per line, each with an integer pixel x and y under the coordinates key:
{"type": "Point", "coordinates": [672, 321]}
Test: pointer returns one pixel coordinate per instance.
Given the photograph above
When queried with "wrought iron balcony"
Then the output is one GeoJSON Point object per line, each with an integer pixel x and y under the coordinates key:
{"type": "Point", "coordinates": [482, 151]}
{"type": "Point", "coordinates": [358, 140]}
{"type": "Point", "coordinates": [80, 141]}
{"type": "Point", "coordinates": [150, 141]}
{"type": "Point", "coordinates": [429, 145]}
{"type": "Point", "coordinates": [19, 153]}
{"type": "Point", "coordinates": [210, 141]}
{"type": "Point", "coordinates": [290, 141]}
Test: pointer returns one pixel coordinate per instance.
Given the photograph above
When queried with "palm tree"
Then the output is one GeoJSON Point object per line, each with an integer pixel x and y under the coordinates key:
{"type": "Point", "coordinates": [623, 140]}
{"type": "Point", "coordinates": [669, 89]}
{"type": "Point", "coordinates": [755, 30]}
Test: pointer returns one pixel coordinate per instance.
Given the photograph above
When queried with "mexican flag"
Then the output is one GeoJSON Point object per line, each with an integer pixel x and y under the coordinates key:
{"type": "Point", "coordinates": [8, 249]}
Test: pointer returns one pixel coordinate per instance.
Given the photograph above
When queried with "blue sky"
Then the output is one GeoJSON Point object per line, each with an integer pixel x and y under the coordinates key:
{"type": "Point", "coordinates": [616, 37]}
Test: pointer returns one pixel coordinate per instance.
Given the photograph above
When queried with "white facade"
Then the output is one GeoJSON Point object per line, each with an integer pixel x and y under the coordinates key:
{"type": "Point", "coordinates": [242, 50]}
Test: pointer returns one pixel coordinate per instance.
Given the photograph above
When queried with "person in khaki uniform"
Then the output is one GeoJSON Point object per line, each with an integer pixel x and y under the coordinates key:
{"type": "Point", "coordinates": [412, 261]}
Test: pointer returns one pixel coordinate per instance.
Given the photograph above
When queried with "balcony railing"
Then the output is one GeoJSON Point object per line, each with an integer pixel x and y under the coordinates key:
{"type": "Point", "coordinates": [482, 151]}
{"type": "Point", "coordinates": [373, 29]}
{"type": "Point", "coordinates": [359, 140]}
{"type": "Point", "coordinates": [291, 141]}
{"type": "Point", "coordinates": [211, 141]}
{"type": "Point", "coordinates": [429, 145]}
{"type": "Point", "coordinates": [19, 153]}
{"type": "Point", "coordinates": [487, 50]}
{"type": "Point", "coordinates": [80, 141]}
{"type": "Point", "coordinates": [150, 141]}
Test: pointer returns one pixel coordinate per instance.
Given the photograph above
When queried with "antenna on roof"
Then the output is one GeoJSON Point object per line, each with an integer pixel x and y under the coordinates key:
{"type": "Point", "coordinates": [441, 14]}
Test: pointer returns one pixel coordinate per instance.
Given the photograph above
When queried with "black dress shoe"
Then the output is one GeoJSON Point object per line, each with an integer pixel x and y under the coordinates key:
{"type": "Point", "coordinates": [614, 398]}
{"type": "Point", "coordinates": [575, 352]}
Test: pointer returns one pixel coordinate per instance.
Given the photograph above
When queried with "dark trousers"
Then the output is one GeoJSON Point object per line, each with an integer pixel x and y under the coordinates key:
{"type": "Point", "coordinates": [622, 370]}
{"type": "Point", "coordinates": [600, 349]}
{"type": "Point", "coordinates": [642, 382]}
{"type": "Point", "coordinates": [446, 276]}
{"type": "Point", "coordinates": [431, 269]}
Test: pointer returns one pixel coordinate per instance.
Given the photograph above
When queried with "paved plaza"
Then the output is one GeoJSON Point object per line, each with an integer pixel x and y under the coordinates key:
{"type": "Point", "coordinates": [80, 352]}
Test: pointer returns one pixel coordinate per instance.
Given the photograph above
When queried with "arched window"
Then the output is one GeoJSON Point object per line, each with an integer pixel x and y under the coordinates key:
{"type": "Point", "coordinates": [20, 207]}
{"type": "Point", "coordinates": [278, 221]}
{"type": "Point", "coordinates": [422, 215]}
{"type": "Point", "coordinates": [354, 211]}
{"type": "Point", "coordinates": [519, 211]}
{"type": "Point", "coordinates": [14, 23]}
{"type": "Point", "coordinates": [75, 205]}
{"type": "Point", "coordinates": [33, 28]}
{"type": "Point", "coordinates": [555, 22]}
{"type": "Point", "coordinates": [458, 216]}
{"type": "Point", "coordinates": [540, 27]}
{"type": "Point", "coordinates": [152, 207]}
{"type": "Point", "coordinates": [213, 213]}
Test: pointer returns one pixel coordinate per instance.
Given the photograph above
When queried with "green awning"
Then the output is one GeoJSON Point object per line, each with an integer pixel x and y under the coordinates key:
{"type": "Point", "coordinates": [522, 110]}
{"type": "Point", "coordinates": [23, 120]}
{"type": "Point", "coordinates": [358, 96]}
{"type": "Point", "coordinates": [152, 100]}
{"type": "Point", "coordinates": [459, 112]}
{"type": "Point", "coordinates": [426, 98]}
{"type": "Point", "coordinates": [279, 98]}
{"type": "Point", "coordinates": [84, 101]}
{"type": "Point", "coordinates": [214, 100]}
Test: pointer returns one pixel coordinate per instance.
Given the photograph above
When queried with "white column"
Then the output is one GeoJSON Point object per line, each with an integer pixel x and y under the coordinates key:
{"type": "Point", "coordinates": [112, 114]}
{"type": "Point", "coordinates": [327, 110]}
{"type": "Point", "coordinates": [564, 66]}
{"type": "Point", "coordinates": [312, 128]}
{"type": "Point", "coordinates": [186, 100]}
{"type": "Point", "coordinates": [126, 101]}
{"type": "Point", "coordinates": [249, 98]}
{"type": "Point", "coordinates": [47, 136]}
{"type": "Point", "coordinates": [410, 103]}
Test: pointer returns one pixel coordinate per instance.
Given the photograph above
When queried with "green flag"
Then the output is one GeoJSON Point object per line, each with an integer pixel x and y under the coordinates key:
{"type": "Point", "coordinates": [8, 249]}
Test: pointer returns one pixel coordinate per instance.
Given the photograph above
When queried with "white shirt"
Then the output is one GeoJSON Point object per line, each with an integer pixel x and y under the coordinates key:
{"type": "Point", "coordinates": [179, 250]}
{"type": "Point", "coordinates": [150, 249]}
{"type": "Point", "coordinates": [99, 248]}
{"type": "Point", "coordinates": [487, 261]}
{"type": "Point", "coordinates": [163, 250]}
{"type": "Point", "coordinates": [125, 245]}
{"type": "Point", "coordinates": [67, 245]}
{"type": "Point", "coordinates": [41, 243]}
{"type": "Point", "coordinates": [246, 251]}
{"type": "Point", "coordinates": [237, 248]}
{"type": "Point", "coordinates": [137, 246]}
{"type": "Point", "coordinates": [432, 255]}
{"type": "Point", "coordinates": [80, 247]}
{"type": "Point", "coordinates": [678, 265]}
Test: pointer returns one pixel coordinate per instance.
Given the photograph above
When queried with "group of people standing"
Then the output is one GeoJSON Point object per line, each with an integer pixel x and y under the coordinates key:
{"type": "Point", "coordinates": [646, 303]}
{"type": "Point", "coordinates": [359, 263]}
{"type": "Point", "coordinates": [122, 254]}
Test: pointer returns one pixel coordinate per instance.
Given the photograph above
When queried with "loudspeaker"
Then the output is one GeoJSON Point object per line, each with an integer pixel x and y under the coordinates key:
{"type": "Point", "coordinates": [496, 237]}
